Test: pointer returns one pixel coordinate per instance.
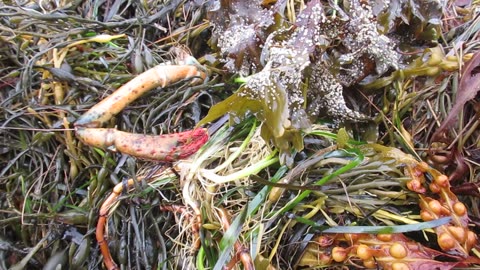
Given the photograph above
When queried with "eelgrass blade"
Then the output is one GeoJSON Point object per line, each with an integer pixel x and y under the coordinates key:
{"type": "Point", "coordinates": [229, 239]}
{"type": "Point", "coordinates": [248, 211]}
{"type": "Point", "coordinates": [375, 229]}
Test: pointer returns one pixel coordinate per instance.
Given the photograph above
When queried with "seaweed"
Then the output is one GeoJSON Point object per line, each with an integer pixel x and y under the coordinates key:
{"type": "Point", "coordinates": [303, 74]}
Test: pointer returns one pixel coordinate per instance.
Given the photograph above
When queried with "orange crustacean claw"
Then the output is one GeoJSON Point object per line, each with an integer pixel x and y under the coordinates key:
{"type": "Point", "coordinates": [166, 148]}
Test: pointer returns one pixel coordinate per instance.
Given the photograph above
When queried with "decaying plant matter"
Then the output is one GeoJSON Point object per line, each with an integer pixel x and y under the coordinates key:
{"type": "Point", "coordinates": [352, 141]}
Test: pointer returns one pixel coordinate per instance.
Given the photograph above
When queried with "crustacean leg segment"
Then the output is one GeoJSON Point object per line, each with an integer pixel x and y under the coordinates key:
{"type": "Point", "coordinates": [168, 148]}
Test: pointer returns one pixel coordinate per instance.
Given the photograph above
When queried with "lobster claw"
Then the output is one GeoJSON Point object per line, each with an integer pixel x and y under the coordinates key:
{"type": "Point", "coordinates": [170, 147]}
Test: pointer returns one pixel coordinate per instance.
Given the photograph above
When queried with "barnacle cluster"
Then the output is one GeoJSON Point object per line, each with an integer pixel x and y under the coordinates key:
{"type": "Point", "coordinates": [303, 67]}
{"type": "Point", "coordinates": [362, 38]}
{"type": "Point", "coordinates": [325, 94]}
{"type": "Point", "coordinates": [279, 85]}
{"type": "Point", "coordinates": [239, 32]}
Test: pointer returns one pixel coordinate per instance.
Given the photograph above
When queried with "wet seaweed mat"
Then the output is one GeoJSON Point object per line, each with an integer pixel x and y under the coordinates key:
{"type": "Point", "coordinates": [352, 138]}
